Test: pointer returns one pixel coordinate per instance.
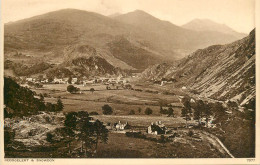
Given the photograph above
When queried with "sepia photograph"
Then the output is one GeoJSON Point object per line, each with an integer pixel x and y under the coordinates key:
{"type": "Point", "coordinates": [171, 79]}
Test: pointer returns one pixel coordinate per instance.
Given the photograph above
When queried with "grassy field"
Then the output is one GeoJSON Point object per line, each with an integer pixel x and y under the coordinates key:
{"type": "Point", "coordinates": [122, 101]}
{"type": "Point", "coordinates": [120, 146]}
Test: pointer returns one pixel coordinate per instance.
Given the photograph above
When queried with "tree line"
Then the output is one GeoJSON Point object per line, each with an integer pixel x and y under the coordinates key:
{"type": "Point", "coordinates": [21, 101]}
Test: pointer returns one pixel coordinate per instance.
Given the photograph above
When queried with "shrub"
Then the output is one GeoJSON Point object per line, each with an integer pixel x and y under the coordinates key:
{"type": "Point", "coordinates": [148, 111]}
{"type": "Point", "coordinates": [93, 113]}
{"type": "Point", "coordinates": [132, 112]}
{"type": "Point", "coordinates": [72, 89]}
{"type": "Point", "coordinates": [107, 110]}
{"type": "Point", "coordinates": [49, 137]}
{"type": "Point", "coordinates": [92, 90]}
{"type": "Point", "coordinates": [190, 133]}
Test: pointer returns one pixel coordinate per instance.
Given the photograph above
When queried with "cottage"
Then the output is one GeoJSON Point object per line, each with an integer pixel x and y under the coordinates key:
{"type": "Point", "coordinates": [157, 128]}
{"type": "Point", "coordinates": [30, 79]}
{"type": "Point", "coordinates": [121, 126]}
{"type": "Point", "coordinates": [57, 81]}
{"type": "Point", "coordinates": [74, 80]}
{"type": "Point", "coordinates": [88, 82]}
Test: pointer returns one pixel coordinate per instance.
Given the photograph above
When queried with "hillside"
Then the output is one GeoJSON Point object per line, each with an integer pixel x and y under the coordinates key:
{"type": "Point", "coordinates": [208, 25]}
{"type": "Point", "coordinates": [125, 41]}
{"type": "Point", "coordinates": [219, 71]}
{"type": "Point", "coordinates": [172, 38]}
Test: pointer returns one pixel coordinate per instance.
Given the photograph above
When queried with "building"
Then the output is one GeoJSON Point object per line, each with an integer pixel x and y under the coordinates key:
{"type": "Point", "coordinates": [74, 80]}
{"type": "Point", "coordinates": [58, 81]}
{"type": "Point", "coordinates": [120, 126]}
{"type": "Point", "coordinates": [157, 128]}
{"type": "Point", "coordinates": [88, 82]}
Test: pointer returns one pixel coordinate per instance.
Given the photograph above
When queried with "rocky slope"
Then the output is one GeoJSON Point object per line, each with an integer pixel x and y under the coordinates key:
{"type": "Point", "coordinates": [219, 71]}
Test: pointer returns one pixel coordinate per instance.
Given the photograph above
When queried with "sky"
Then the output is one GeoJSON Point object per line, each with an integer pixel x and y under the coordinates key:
{"type": "Point", "coordinates": [237, 14]}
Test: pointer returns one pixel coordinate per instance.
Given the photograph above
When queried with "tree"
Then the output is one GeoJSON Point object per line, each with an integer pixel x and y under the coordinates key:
{"type": "Point", "coordinates": [100, 132]}
{"type": "Point", "coordinates": [50, 107]}
{"type": "Point", "coordinates": [148, 111]}
{"type": "Point", "coordinates": [41, 97]}
{"type": "Point", "coordinates": [70, 124]}
{"type": "Point", "coordinates": [207, 112]}
{"type": "Point", "coordinates": [92, 90]}
{"type": "Point", "coordinates": [49, 137]}
{"type": "Point", "coordinates": [72, 89]}
{"type": "Point", "coordinates": [93, 113]}
{"type": "Point", "coordinates": [139, 110]}
{"type": "Point", "coordinates": [199, 109]}
{"type": "Point", "coordinates": [184, 113]}
{"type": "Point", "coordinates": [170, 112]}
{"type": "Point", "coordinates": [186, 104]}
{"type": "Point", "coordinates": [70, 80]}
{"type": "Point", "coordinates": [50, 79]}
{"type": "Point", "coordinates": [163, 111]}
{"type": "Point", "coordinates": [86, 131]}
{"type": "Point", "coordinates": [59, 105]}
{"type": "Point", "coordinates": [132, 112]}
{"type": "Point", "coordinates": [107, 110]}
{"type": "Point", "coordinates": [220, 112]}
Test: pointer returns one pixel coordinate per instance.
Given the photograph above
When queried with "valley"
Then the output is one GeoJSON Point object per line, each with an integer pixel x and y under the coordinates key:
{"type": "Point", "coordinates": [79, 84]}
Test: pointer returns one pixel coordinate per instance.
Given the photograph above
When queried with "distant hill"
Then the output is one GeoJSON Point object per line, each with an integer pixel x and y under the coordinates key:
{"type": "Point", "coordinates": [208, 25]}
{"type": "Point", "coordinates": [219, 71]}
{"type": "Point", "coordinates": [132, 41]}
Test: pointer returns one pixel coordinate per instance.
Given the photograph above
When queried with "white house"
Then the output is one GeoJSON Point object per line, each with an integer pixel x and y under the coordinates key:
{"type": "Point", "coordinates": [74, 80]}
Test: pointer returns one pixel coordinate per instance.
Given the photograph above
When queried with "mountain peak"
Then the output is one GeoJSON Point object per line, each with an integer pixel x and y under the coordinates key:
{"type": "Point", "coordinates": [209, 25]}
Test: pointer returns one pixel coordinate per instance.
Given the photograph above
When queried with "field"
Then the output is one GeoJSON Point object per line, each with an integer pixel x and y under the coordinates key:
{"type": "Point", "coordinates": [122, 101]}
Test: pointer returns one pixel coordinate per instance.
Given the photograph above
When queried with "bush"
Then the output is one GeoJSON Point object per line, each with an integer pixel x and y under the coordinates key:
{"type": "Point", "coordinates": [107, 110]}
{"type": "Point", "coordinates": [148, 111]}
{"type": "Point", "coordinates": [49, 137]}
{"type": "Point", "coordinates": [93, 113]}
{"type": "Point", "coordinates": [72, 89]}
{"type": "Point", "coordinates": [92, 90]}
{"type": "Point", "coordinates": [132, 112]}
{"type": "Point", "coordinates": [190, 133]}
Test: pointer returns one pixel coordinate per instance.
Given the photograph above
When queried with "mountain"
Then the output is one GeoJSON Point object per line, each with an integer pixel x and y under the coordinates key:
{"type": "Point", "coordinates": [174, 40]}
{"type": "Point", "coordinates": [83, 66]}
{"type": "Point", "coordinates": [219, 71]}
{"type": "Point", "coordinates": [209, 25]}
{"type": "Point", "coordinates": [132, 41]}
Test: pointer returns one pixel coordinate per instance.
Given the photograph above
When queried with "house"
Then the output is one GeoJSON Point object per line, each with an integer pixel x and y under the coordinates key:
{"type": "Point", "coordinates": [210, 123]}
{"type": "Point", "coordinates": [112, 81]}
{"type": "Point", "coordinates": [74, 80]}
{"type": "Point", "coordinates": [120, 126]}
{"type": "Point", "coordinates": [58, 81]}
{"type": "Point", "coordinates": [45, 81]}
{"type": "Point", "coordinates": [88, 82]}
{"type": "Point", "coordinates": [65, 80]}
{"type": "Point", "coordinates": [163, 82]}
{"type": "Point", "coordinates": [29, 79]}
{"type": "Point", "coordinates": [157, 128]}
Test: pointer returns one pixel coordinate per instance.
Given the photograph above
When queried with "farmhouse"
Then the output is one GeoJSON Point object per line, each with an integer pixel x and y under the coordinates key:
{"type": "Point", "coordinates": [121, 126]}
{"type": "Point", "coordinates": [58, 81]}
{"type": "Point", "coordinates": [74, 80]}
{"type": "Point", "coordinates": [88, 82]}
{"type": "Point", "coordinates": [157, 128]}
{"type": "Point", "coordinates": [210, 123]}
{"type": "Point", "coordinates": [30, 79]}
